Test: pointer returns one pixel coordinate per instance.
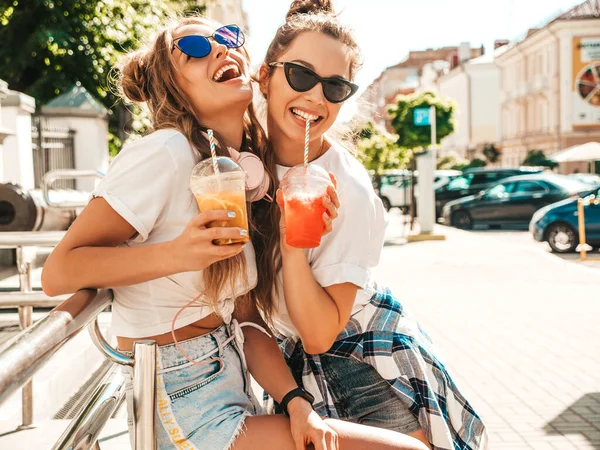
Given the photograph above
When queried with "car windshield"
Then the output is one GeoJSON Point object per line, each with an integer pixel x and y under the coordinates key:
{"type": "Point", "coordinates": [587, 178]}
{"type": "Point", "coordinates": [568, 184]}
{"type": "Point", "coordinates": [497, 191]}
{"type": "Point", "coordinates": [459, 183]}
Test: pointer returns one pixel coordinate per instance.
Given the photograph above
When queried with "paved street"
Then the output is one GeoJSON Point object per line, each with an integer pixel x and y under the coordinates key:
{"type": "Point", "coordinates": [518, 327]}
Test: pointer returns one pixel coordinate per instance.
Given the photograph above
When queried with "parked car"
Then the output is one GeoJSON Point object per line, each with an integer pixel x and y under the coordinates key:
{"type": "Point", "coordinates": [513, 201]}
{"type": "Point", "coordinates": [394, 189]}
{"type": "Point", "coordinates": [558, 224]}
{"type": "Point", "coordinates": [473, 181]}
{"type": "Point", "coordinates": [588, 178]}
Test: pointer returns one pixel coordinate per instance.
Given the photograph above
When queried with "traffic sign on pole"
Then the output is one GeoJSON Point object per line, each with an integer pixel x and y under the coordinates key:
{"type": "Point", "coordinates": [421, 117]}
{"type": "Point", "coordinates": [433, 124]}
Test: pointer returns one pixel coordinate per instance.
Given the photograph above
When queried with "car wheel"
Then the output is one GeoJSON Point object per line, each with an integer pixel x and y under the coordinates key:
{"type": "Point", "coordinates": [386, 203]}
{"type": "Point", "coordinates": [461, 219]}
{"type": "Point", "coordinates": [562, 238]}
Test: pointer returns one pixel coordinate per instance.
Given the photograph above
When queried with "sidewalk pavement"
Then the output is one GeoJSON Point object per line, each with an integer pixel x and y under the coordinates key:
{"type": "Point", "coordinates": [518, 328]}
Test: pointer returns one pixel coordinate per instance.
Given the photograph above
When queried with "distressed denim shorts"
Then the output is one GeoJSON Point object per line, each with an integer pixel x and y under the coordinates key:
{"type": "Point", "coordinates": [362, 396]}
{"type": "Point", "coordinates": [200, 406]}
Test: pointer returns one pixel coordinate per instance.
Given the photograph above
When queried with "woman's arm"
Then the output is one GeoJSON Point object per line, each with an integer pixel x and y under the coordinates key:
{"type": "Point", "coordinates": [89, 257]}
{"type": "Point", "coordinates": [269, 369]}
{"type": "Point", "coordinates": [265, 361]}
{"type": "Point", "coordinates": [319, 314]}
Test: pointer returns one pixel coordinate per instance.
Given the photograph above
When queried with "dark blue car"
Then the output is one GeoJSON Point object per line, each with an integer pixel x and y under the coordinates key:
{"type": "Point", "coordinates": [557, 224]}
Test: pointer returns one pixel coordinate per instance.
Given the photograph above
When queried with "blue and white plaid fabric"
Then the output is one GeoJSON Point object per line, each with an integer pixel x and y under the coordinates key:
{"type": "Point", "coordinates": [384, 336]}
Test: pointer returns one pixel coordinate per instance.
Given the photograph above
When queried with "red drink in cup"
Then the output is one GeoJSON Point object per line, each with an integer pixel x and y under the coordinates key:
{"type": "Point", "coordinates": [304, 188]}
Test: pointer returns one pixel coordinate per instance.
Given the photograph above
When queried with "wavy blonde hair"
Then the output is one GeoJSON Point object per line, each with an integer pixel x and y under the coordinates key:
{"type": "Point", "coordinates": [148, 76]}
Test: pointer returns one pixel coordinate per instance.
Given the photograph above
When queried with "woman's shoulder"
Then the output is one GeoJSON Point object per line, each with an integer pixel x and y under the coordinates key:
{"type": "Point", "coordinates": [160, 146]}
{"type": "Point", "coordinates": [157, 140]}
{"type": "Point", "coordinates": [350, 173]}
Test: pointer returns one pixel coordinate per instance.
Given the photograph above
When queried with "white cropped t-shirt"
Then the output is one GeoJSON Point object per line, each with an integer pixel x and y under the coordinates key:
{"type": "Point", "coordinates": [350, 253]}
{"type": "Point", "coordinates": [148, 185]}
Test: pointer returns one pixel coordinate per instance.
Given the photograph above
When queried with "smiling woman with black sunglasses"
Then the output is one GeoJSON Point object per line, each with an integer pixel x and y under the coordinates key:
{"type": "Point", "coordinates": [347, 339]}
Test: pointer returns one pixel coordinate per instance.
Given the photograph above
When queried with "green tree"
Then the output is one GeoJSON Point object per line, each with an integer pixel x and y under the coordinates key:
{"type": "Point", "coordinates": [50, 45]}
{"type": "Point", "coordinates": [402, 119]}
{"type": "Point", "coordinates": [538, 158]}
{"type": "Point", "coordinates": [491, 153]}
{"type": "Point", "coordinates": [378, 150]}
{"type": "Point", "coordinates": [476, 162]}
{"type": "Point", "coordinates": [453, 163]}
{"type": "Point", "coordinates": [450, 162]}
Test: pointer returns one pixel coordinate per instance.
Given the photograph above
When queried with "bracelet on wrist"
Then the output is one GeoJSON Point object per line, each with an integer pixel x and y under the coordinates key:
{"type": "Point", "coordinates": [296, 392]}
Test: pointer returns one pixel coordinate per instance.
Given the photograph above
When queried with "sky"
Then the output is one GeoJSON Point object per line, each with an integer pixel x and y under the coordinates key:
{"type": "Point", "coordinates": [387, 29]}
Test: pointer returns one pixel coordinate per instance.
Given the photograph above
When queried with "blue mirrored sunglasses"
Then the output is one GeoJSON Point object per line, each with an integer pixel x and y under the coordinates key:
{"type": "Point", "coordinates": [197, 46]}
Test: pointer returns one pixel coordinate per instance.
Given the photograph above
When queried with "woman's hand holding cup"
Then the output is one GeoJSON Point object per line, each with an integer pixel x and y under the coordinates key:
{"type": "Point", "coordinates": [195, 250]}
{"type": "Point", "coordinates": [330, 203]}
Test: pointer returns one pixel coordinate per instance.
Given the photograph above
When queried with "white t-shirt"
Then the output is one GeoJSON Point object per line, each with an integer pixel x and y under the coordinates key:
{"type": "Point", "coordinates": [148, 185]}
{"type": "Point", "coordinates": [352, 250]}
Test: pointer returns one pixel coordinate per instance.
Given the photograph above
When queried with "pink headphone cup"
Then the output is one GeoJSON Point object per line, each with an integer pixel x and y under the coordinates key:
{"type": "Point", "coordinates": [257, 179]}
{"type": "Point", "coordinates": [258, 193]}
{"type": "Point", "coordinates": [254, 169]}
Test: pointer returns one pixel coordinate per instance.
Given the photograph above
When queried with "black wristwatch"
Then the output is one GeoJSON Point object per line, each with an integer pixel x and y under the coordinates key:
{"type": "Point", "coordinates": [297, 392]}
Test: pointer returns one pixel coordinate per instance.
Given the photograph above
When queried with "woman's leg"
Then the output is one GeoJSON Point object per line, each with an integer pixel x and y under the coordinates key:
{"type": "Point", "coordinates": [420, 435]}
{"type": "Point", "coordinates": [273, 433]}
{"type": "Point", "coordinates": [362, 396]}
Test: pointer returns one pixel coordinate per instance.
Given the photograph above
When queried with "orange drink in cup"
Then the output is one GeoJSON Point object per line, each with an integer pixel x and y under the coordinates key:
{"type": "Point", "coordinates": [225, 190]}
{"type": "Point", "coordinates": [304, 188]}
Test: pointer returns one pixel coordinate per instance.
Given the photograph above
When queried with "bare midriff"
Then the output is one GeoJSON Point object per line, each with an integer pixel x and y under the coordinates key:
{"type": "Point", "coordinates": [198, 328]}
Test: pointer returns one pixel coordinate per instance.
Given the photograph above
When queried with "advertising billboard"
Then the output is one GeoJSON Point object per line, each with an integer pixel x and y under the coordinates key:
{"type": "Point", "coordinates": [586, 82]}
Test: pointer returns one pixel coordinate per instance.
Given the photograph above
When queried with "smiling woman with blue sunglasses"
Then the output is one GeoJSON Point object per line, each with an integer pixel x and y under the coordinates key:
{"type": "Point", "coordinates": [143, 236]}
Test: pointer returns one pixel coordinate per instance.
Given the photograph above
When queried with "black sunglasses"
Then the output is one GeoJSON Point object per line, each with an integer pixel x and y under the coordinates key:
{"type": "Point", "coordinates": [302, 79]}
{"type": "Point", "coordinates": [199, 46]}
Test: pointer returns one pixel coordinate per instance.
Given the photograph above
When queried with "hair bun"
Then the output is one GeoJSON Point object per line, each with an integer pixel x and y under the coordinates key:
{"type": "Point", "coordinates": [310, 7]}
{"type": "Point", "coordinates": [134, 80]}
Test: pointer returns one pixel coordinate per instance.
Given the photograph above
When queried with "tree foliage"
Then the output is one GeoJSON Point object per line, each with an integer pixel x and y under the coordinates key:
{"type": "Point", "coordinates": [378, 150]}
{"type": "Point", "coordinates": [491, 153]}
{"type": "Point", "coordinates": [402, 119]}
{"type": "Point", "coordinates": [453, 163]}
{"type": "Point", "coordinates": [50, 45]}
{"type": "Point", "coordinates": [538, 158]}
{"type": "Point", "coordinates": [450, 162]}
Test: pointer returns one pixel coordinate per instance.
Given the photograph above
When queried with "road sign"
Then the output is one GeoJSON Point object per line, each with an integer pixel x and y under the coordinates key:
{"type": "Point", "coordinates": [421, 117]}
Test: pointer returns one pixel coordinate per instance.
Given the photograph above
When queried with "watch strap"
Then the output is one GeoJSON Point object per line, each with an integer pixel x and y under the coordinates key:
{"type": "Point", "coordinates": [296, 392]}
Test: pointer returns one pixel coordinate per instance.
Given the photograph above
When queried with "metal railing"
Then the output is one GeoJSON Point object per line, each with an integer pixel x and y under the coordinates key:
{"type": "Point", "coordinates": [51, 177]}
{"type": "Point", "coordinates": [26, 243]}
{"type": "Point", "coordinates": [22, 356]}
{"type": "Point", "coordinates": [32, 348]}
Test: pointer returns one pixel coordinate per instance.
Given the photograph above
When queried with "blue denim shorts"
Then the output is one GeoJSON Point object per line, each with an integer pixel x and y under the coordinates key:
{"type": "Point", "coordinates": [200, 406]}
{"type": "Point", "coordinates": [362, 396]}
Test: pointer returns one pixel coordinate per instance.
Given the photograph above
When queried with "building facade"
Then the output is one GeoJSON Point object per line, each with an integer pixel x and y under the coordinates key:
{"type": "Point", "coordinates": [404, 78]}
{"type": "Point", "coordinates": [474, 85]}
{"type": "Point", "coordinates": [550, 87]}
